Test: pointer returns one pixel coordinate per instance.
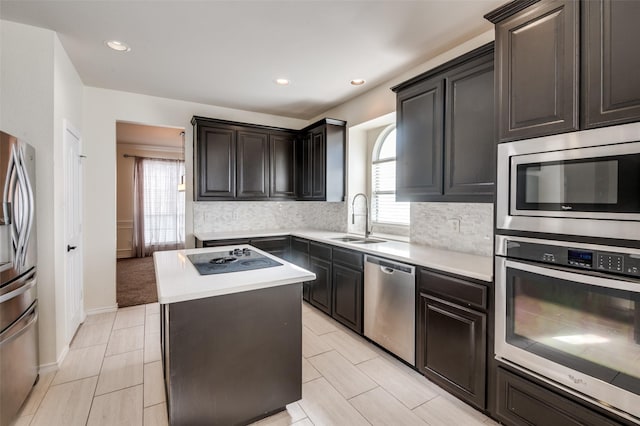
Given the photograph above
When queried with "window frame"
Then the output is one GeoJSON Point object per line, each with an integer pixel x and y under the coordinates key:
{"type": "Point", "coordinates": [374, 160]}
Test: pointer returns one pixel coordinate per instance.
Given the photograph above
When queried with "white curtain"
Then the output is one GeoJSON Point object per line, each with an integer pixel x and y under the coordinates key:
{"type": "Point", "coordinates": [162, 204]}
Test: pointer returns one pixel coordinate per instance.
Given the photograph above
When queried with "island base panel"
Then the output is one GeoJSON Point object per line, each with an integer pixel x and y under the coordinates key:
{"type": "Point", "coordinates": [233, 359]}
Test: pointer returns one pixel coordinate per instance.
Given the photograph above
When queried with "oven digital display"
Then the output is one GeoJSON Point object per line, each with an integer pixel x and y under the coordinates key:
{"type": "Point", "coordinates": [580, 258]}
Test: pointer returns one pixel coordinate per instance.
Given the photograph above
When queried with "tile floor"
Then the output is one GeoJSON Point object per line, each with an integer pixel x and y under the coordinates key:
{"type": "Point", "coordinates": [112, 375]}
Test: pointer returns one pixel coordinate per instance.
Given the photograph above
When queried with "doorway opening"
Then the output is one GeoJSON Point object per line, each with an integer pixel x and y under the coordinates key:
{"type": "Point", "coordinates": [150, 205]}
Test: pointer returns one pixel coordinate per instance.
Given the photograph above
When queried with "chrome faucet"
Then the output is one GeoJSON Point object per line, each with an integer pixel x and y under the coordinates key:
{"type": "Point", "coordinates": [353, 212]}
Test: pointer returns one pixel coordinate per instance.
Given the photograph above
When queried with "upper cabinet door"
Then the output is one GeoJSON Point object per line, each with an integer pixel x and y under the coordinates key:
{"type": "Point", "coordinates": [216, 162]}
{"type": "Point", "coordinates": [253, 165]}
{"type": "Point", "coordinates": [282, 167]}
{"type": "Point", "coordinates": [318, 164]}
{"type": "Point", "coordinates": [611, 62]}
{"type": "Point", "coordinates": [305, 163]}
{"type": "Point", "coordinates": [470, 142]}
{"type": "Point", "coordinates": [537, 70]}
{"type": "Point", "coordinates": [420, 124]}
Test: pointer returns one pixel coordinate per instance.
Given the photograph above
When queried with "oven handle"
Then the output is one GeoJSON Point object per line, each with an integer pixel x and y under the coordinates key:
{"type": "Point", "coordinates": [581, 277]}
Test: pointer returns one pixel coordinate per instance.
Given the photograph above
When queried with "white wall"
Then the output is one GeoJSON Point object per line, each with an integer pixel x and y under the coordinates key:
{"type": "Point", "coordinates": [102, 108]}
{"type": "Point", "coordinates": [67, 105]}
{"type": "Point", "coordinates": [39, 88]}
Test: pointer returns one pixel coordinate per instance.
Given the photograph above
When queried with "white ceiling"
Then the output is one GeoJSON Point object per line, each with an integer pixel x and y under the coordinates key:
{"type": "Point", "coordinates": [228, 53]}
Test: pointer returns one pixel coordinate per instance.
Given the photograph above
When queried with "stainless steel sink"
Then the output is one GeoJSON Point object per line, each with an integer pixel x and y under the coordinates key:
{"type": "Point", "coordinates": [357, 240]}
{"type": "Point", "coordinates": [368, 241]}
{"type": "Point", "coordinates": [348, 239]}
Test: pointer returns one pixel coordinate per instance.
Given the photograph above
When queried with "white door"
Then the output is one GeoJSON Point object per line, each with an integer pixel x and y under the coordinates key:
{"type": "Point", "coordinates": [73, 231]}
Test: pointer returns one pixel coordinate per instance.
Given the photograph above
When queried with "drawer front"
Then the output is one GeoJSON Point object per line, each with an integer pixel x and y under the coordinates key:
{"type": "Point", "coordinates": [218, 243]}
{"type": "Point", "coordinates": [454, 289]}
{"type": "Point", "coordinates": [350, 258]}
{"type": "Point", "coordinates": [298, 244]}
{"type": "Point", "coordinates": [320, 251]}
{"type": "Point", "coordinates": [521, 402]}
{"type": "Point", "coordinates": [271, 244]}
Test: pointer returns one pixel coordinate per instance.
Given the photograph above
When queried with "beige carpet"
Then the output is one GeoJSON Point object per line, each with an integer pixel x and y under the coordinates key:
{"type": "Point", "coordinates": [135, 281]}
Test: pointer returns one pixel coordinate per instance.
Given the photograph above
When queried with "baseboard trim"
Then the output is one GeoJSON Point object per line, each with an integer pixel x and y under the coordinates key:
{"type": "Point", "coordinates": [54, 366]}
{"type": "Point", "coordinates": [103, 310]}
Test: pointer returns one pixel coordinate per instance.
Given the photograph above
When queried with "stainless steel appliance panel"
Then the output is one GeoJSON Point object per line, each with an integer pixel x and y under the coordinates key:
{"type": "Point", "coordinates": [18, 290]}
{"type": "Point", "coordinates": [18, 363]}
{"type": "Point", "coordinates": [16, 297]}
{"type": "Point", "coordinates": [617, 222]}
{"type": "Point", "coordinates": [565, 312]}
{"type": "Point", "coordinates": [18, 249]}
{"type": "Point", "coordinates": [389, 306]}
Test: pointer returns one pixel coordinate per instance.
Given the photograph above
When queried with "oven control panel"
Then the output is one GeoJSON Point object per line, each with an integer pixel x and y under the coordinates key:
{"type": "Point", "coordinates": [596, 260]}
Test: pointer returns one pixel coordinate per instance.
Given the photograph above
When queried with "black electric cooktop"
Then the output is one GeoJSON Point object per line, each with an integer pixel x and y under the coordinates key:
{"type": "Point", "coordinates": [236, 260]}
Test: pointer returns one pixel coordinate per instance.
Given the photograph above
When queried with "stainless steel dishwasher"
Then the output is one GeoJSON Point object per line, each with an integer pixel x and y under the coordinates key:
{"type": "Point", "coordinates": [390, 306]}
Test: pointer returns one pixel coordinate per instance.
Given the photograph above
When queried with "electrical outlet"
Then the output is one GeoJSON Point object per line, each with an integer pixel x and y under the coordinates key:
{"type": "Point", "coordinates": [454, 225]}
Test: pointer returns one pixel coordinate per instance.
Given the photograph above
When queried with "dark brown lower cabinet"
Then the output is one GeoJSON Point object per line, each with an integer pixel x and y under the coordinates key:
{"type": "Point", "coordinates": [232, 359]}
{"type": "Point", "coordinates": [320, 289]}
{"type": "Point", "coordinates": [452, 348]}
{"type": "Point", "coordinates": [521, 402]}
{"type": "Point", "coordinates": [277, 246]}
{"type": "Point", "coordinates": [300, 256]}
{"type": "Point", "coordinates": [348, 287]}
{"type": "Point", "coordinates": [219, 243]}
{"type": "Point", "coordinates": [347, 296]}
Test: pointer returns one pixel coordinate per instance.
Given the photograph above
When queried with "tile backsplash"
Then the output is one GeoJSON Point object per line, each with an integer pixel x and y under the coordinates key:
{"type": "Point", "coordinates": [225, 216]}
{"type": "Point", "coordinates": [464, 227]}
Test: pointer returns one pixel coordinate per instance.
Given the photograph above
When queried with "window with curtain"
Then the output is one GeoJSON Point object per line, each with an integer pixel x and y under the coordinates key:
{"type": "Point", "coordinates": [159, 205]}
{"type": "Point", "coordinates": [384, 208]}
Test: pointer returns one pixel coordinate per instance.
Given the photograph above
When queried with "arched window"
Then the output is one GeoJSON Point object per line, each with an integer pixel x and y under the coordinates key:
{"type": "Point", "coordinates": [384, 208]}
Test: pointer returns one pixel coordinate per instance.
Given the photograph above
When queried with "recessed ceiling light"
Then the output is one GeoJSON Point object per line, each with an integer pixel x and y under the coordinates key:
{"type": "Point", "coordinates": [357, 81]}
{"type": "Point", "coordinates": [118, 45]}
{"type": "Point", "coordinates": [282, 81]}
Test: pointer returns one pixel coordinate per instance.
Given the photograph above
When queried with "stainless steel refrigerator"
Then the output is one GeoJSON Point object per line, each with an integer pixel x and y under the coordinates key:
{"type": "Point", "coordinates": [18, 301]}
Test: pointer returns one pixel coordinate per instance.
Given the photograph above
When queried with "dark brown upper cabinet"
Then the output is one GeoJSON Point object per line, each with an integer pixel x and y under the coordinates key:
{"type": "Point", "coordinates": [420, 130]}
{"type": "Point", "coordinates": [445, 145]}
{"type": "Point", "coordinates": [537, 70]}
{"type": "Point", "coordinates": [215, 163]}
{"type": "Point", "coordinates": [565, 65]}
{"type": "Point", "coordinates": [321, 161]}
{"type": "Point", "coordinates": [470, 136]}
{"type": "Point", "coordinates": [610, 62]}
{"type": "Point", "coordinates": [283, 165]}
{"type": "Point", "coordinates": [238, 161]}
{"type": "Point", "coordinates": [253, 164]}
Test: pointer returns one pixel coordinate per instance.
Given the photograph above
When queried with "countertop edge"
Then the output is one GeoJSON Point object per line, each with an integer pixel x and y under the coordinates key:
{"type": "Point", "coordinates": [472, 273]}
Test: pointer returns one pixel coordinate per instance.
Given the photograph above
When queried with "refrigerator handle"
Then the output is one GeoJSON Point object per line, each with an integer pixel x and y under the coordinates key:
{"type": "Point", "coordinates": [5, 218]}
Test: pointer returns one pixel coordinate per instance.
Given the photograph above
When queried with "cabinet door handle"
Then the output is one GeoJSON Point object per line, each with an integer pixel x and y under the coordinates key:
{"type": "Point", "coordinates": [69, 248]}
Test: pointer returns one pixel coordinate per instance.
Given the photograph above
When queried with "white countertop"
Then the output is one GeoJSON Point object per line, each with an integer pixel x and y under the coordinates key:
{"type": "Point", "coordinates": [463, 264]}
{"type": "Point", "coordinates": [178, 280]}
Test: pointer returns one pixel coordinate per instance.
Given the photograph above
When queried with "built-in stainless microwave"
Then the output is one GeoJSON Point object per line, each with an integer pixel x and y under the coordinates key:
{"type": "Point", "coordinates": [583, 183]}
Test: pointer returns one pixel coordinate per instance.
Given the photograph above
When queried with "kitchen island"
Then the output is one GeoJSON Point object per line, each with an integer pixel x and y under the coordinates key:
{"type": "Point", "coordinates": [231, 340]}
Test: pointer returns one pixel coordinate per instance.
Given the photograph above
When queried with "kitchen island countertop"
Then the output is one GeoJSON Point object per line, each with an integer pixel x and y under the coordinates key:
{"type": "Point", "coordinates": [178, 280]}
{"type": "Point", "coordinates": [463, 264]}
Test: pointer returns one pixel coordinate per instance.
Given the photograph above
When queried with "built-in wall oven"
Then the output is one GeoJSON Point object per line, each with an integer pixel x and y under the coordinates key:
{"type": "Point", "coordinates": [580, 184]}
{"type": "Point", "coordinates": [567, 264]}
{"type": "Point", "coordinates": [569, 314]}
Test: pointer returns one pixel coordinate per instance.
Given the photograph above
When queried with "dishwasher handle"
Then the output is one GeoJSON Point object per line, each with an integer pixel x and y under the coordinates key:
{"type": "Point", "coordinates": [389, 267]}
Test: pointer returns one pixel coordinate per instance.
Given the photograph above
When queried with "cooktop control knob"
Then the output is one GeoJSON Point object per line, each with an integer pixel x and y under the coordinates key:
{"type": "Point", "coordinates": [246, 251]}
